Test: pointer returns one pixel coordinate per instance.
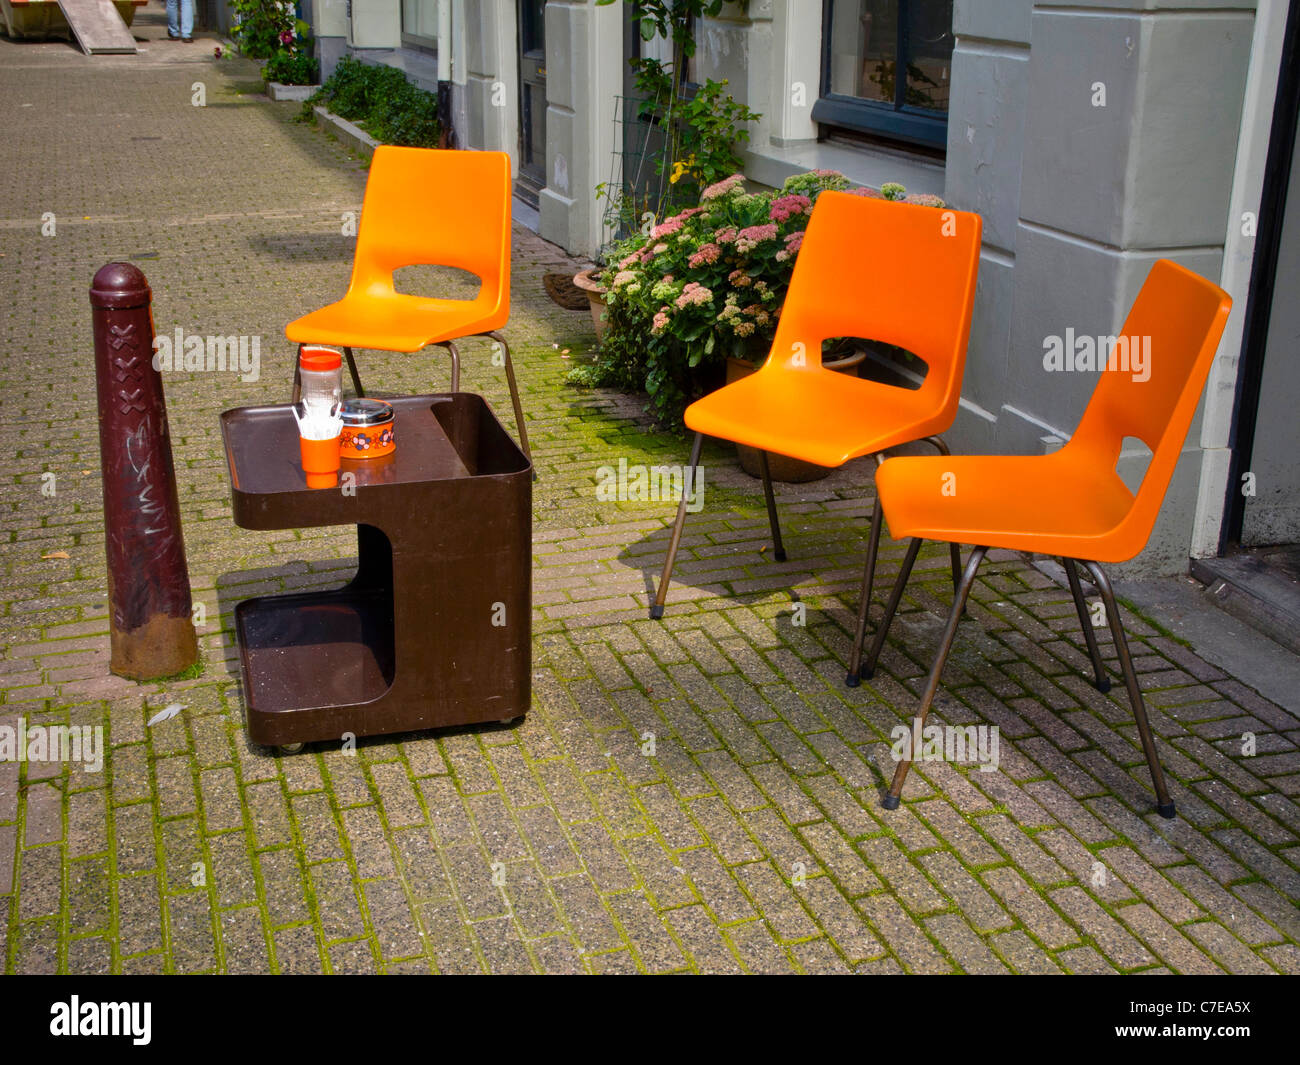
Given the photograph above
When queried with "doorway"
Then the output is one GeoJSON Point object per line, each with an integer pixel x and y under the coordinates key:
{"type": "Point", "coordinates": [532, 100]}
{"type": "Point", "coordinates": [1257, 574]}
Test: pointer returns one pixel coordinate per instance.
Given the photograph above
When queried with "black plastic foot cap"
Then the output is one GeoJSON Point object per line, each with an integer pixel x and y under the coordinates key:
{"type": "Point", "coordinates": [779, 555]}
{"type": "Point", "coordinates": [1166, 810]}
{"type": "Point", "coordinates": [890, 802]}
{"type": "Point", "coordinates": [656, 612]}
{"type": "Point", "coordinates": [852, 680]}
{"type": "Point", "coordinates": [1103, 685]}
{"type": "Point", "coordinates": [866, 672]}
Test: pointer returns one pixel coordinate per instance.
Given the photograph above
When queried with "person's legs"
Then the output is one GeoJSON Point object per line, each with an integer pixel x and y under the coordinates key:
{"type": "Point", "coordinates": [173, 20]}
{"type": "Point", "coordinates": [187, 19]}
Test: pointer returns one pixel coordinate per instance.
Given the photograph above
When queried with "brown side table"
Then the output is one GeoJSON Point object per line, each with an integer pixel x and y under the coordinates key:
{"type": "Point", "coordinates": [435, 628]}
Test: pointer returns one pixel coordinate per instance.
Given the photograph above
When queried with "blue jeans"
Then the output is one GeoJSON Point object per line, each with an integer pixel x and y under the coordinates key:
{"type": "Point", "coordinates": [182, 26]}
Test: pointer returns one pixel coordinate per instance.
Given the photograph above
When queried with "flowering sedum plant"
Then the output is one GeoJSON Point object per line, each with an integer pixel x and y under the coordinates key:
{"type": "Point", "coordinates": [706, 283]}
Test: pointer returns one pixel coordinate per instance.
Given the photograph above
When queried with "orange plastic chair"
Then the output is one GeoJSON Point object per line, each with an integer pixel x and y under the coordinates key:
{"type": "Point", "coordinates": [1070, 503]}
{"type": "Point", "coordinates": [424, 207]}
{"type": "Point", "coordinates": [894, 272]}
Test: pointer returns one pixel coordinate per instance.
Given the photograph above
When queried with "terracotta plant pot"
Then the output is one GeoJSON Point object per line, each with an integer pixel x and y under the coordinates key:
{"type": "Point", "coordinates": [596, 296]}
{"type": "Point", "coordinates": [782, 467]}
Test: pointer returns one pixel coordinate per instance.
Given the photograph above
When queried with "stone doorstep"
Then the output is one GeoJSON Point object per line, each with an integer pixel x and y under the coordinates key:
{"type": "Point", "coordinates": [350, 134]}
{"type": "Point", "coordinates": [298, 93]}
{"type": "Point", "coordinates": [1253, 589]}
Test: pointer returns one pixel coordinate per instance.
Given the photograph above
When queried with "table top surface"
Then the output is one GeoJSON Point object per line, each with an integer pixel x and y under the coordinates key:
{"type": "Point", "coordinates": [264, 457]}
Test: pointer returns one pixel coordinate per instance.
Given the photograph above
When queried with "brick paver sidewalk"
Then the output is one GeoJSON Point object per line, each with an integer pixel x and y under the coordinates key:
{"type": "Point", "coordinates": [695, 794]}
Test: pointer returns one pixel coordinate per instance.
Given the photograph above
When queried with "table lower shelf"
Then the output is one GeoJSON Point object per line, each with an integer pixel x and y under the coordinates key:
{"type": "Point", "coordinates": [314, 651]}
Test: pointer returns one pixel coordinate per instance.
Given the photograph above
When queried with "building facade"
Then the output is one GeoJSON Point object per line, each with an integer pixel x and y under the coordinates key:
{"type": "Point", "coordinates": [1092, 137]}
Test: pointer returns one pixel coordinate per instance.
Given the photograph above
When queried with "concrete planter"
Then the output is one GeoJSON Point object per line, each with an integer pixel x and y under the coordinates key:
{"type": "Point", "coordinates": [782, 467]}
{"type": "Point", "coordinates": [351, 135]}
{"type": "Point", "coordinates": [596, 296]}
{"type": "Point", "coordinates": [298, 93]}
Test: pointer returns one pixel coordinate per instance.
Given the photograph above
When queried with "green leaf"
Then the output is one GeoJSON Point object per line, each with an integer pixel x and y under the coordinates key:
{"type": "Point", "coordinates": [647, 29]}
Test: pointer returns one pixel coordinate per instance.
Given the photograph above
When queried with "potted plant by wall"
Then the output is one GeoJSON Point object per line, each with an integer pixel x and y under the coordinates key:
{"type": "Point", "coordinates": [695, 137]}
{"type": "Point", "coordinates": [587, 281]}
{"type": "Point", "coordinates": [702, 290]}
{"type": "Point", "coordinates": [268, 29]}
{"type": "Point", "coordinates": [292, 73]}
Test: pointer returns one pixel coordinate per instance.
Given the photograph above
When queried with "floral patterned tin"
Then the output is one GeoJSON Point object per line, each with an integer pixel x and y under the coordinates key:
{"type": "Point", "coordinates": [367, 429]}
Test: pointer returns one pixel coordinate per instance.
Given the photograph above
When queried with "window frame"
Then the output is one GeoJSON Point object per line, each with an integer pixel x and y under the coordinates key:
{"type": "Point", "coordinates": [895, 121]}
{"type": "Point", "coordinates": [417, 41]}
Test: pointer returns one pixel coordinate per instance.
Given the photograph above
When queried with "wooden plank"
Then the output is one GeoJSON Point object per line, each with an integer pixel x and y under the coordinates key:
{"type": "Point", "coordinates": [98, 27]}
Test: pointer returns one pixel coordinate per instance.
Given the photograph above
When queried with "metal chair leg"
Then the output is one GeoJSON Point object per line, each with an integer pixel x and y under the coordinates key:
{"type": "Point", "coordinates": [868, 668]}
{"type": "Point", "coordinates": [454, 352]}
{"type": "Point", "coordinates": [864, 594]}
{"type": "Point", "coordinates": [514, 395]}
{"type": "Point", "coordinates": [1102, 683]}
{"type": "Point", "coordinates": [892, 798]}
{"type": "Point", "coordinates": [352, 369]}
{"type": "Point", "coordinates": [778, 549]}
{"type": "Point", "coordinates": [1164, 804]}
{"type": "Point", "coordinates": [954, 550]}
{"type": "Point", "coordinates": [688, 482]}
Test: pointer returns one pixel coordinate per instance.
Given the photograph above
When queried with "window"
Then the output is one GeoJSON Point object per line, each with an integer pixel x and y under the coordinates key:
{"type": "Point", "coordinates": [420, 23]}
{"type": "Point", "coordinates": [861, 90]}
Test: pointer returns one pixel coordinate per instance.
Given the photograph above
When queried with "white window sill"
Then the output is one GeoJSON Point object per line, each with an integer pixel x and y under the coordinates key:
{"type": "Point", "coordinates": [771, 165]}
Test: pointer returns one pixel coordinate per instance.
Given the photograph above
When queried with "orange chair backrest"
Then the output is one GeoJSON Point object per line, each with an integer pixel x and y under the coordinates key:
{"type": "Point", "coordinates": [895, 272]}
{"type": "Point", "coordinates": [1177, 319]}
{"type": "Point", "coordinates": [424, 206]}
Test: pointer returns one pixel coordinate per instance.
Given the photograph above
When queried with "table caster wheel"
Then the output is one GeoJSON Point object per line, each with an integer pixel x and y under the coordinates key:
{"type": "Point", "coordinates": [290, 748]}
{"type": "Point", "coordinates": [508, 721]}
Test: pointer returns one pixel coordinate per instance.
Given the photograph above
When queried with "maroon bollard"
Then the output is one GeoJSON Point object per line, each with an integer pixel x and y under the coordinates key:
{"type": "Point", "coordinates": [151, 632]}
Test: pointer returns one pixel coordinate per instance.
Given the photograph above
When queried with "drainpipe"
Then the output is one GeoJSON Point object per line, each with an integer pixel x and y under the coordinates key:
{"type": "Point", "coordinates": [447, 136]}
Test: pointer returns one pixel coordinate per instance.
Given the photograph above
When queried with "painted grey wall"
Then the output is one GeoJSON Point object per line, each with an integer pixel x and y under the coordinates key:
{"type": "Point", "coordinates": [584, 75]}
{"type": "Point", "coordinates": [1080, 193]}
{"type": "Point", "coordinates": [1273, 514]}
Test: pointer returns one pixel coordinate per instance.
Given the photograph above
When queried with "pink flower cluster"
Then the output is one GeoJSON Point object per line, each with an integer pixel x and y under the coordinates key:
{"type": "Point", "coordinates": [740, 279]}
{"type": "Point", "coordinates": [752, 236]}
{"type": "Point", "coordinates": [726, 236]}
{"type": "Point", "coordinates": [660, 322]}
{"type": "Point", "coordinates": [792, 245]}
{"type": "Point", "coordinates": [667, 227]}
{"type": "Point", "coordinates": [925, 199]}
{"type": "Point", "coordinates": [866, 193]}
{"type": "Point", "coordinates": [706, 256]}
{"type": "Point", "coordinates": [693, 295]}
{"type": "Point", "coordinates": [723, 187]}
{"type": "Point", "coordinates": [786, 207]}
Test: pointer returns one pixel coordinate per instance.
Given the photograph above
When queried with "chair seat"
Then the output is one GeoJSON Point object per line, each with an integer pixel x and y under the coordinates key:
{"type": "Point", "coordinates": [1046, 504]}
{"type": "Point", "coordinates": [396, 322]}
{"type": "Point", "coordinates": [815, 414]}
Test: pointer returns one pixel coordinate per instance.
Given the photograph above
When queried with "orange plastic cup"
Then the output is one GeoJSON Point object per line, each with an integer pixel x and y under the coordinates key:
{"type": "Point", "coordinates": [320, 461]}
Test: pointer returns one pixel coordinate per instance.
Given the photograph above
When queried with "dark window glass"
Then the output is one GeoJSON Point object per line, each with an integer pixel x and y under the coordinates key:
{"type": "Point", "coordinates": [886, 68]}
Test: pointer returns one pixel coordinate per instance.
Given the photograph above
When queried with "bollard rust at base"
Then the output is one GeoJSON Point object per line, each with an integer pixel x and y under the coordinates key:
{"type": "Point", "coordinates": [151, 632]}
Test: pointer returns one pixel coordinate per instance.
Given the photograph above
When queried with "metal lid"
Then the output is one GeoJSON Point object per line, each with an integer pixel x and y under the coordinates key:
{"type": "Point", "coordinates": [366, 412]}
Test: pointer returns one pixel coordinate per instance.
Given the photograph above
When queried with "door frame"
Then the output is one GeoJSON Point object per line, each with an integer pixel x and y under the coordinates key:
{"type": "Point", "coordinates": [528, 183]}
{"type": "Point", "coordinates": [1263, 278]}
